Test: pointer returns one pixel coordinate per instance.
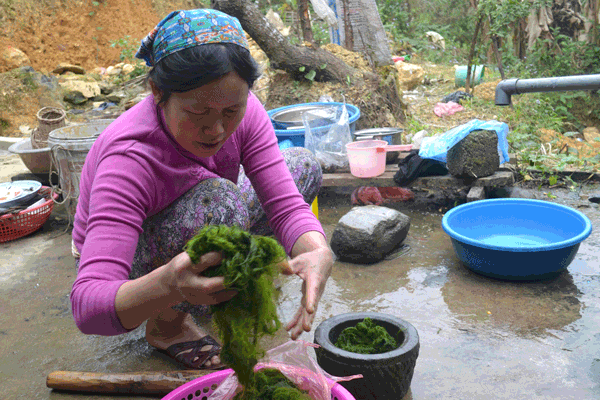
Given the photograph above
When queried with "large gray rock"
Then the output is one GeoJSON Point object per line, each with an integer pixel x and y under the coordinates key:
{"type": "Point", "coordinates": [367, 234]}
{"type": "Point", "coordinates": [475, 156]}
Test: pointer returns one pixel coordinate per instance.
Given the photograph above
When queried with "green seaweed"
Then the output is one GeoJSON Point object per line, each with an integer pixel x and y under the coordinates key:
{"type": "Point", "coordinates": [250, 263]}
{"type": "Point", "coordinates": [366, 338]}
{"type": "Point", "coordinates": [273, 385]}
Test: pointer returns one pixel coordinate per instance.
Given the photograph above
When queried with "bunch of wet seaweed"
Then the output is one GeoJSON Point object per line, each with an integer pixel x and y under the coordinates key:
{"type": "Point", "coordinates": [366, 338]}
{"type": "Point", "coordinates": [250, 263]}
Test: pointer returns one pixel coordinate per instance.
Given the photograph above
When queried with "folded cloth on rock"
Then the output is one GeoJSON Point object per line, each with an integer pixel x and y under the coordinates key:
{"type": "Point", "coordinates": [449, 108]}
{"type": "Point", "coordinates": [413, 166]}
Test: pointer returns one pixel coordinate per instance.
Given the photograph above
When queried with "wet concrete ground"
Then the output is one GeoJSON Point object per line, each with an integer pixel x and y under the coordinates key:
{"type": "Point", "coordinates": [480, 338]}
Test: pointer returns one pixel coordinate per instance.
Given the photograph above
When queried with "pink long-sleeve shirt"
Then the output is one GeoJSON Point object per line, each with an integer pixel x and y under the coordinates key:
{"type": "Point", "coordinates": [136, 168]}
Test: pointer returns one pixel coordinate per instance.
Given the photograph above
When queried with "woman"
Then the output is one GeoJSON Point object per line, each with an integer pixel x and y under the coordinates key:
{"type": "Point", "coordinates": [169, 166]}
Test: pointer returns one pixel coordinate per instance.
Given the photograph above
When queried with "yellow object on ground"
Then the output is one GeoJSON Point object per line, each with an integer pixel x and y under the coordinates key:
{"type": "Point", "coordinates": [314, 207]}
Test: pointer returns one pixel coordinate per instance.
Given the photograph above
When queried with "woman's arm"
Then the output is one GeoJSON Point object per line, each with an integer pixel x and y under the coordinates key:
{"type": "Point", "coordinates": [312, 260]}
{"type": "Point", "coordinates": [179, 280]}
{"type": "Point", "coordinates": [104, 300]}
{"type": "Point", "coordinates": [289, 215]}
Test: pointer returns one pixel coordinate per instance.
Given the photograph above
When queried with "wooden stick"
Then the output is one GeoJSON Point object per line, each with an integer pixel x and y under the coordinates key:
{"type": "Point", "coordinates": [148, 382]}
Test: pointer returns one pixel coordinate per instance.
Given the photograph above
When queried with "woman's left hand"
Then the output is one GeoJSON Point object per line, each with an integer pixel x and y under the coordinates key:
{"type": "Point", "coordinates": [314, 267]}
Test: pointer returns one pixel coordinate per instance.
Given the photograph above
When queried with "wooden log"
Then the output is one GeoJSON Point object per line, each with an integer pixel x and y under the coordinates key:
{"type": "Point", "coordinates": [158, 383]}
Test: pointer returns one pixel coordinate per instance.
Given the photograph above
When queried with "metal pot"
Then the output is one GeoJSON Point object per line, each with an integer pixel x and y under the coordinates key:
{"type": "Point", "coordinates": [387, 134]}
{"type": "Point", "coordinates": [291, 117]}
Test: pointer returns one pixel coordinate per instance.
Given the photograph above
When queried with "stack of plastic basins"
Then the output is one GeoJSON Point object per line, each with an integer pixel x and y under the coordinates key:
{"type": "Point", "coordinates": [295, 133]}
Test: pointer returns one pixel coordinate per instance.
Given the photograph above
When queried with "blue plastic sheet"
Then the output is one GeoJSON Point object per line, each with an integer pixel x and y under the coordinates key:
{"type": "Point", "coordinates": [437, 147]}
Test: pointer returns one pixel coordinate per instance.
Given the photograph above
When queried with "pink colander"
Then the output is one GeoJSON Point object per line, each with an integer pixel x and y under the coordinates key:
{"type": "Point", "coordinates": [200, 388]}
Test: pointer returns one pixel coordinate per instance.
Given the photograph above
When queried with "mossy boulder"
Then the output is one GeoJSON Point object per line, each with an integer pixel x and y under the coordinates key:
{"type": "Point", "coordinates": [475, 156]}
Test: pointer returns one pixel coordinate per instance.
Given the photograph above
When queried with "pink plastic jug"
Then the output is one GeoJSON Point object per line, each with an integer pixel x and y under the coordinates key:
{"type": "Point", "coordinates": [367, 157]}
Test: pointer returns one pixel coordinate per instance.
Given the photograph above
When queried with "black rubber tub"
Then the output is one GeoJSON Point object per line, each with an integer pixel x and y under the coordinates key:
{"type": "Point", "coordinates": [386, 375]}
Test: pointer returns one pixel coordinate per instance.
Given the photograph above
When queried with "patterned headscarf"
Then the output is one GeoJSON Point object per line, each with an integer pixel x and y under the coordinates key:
{"type": "Point", "coordinates": [188, 28]}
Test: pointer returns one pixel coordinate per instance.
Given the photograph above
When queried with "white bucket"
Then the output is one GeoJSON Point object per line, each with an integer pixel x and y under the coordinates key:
{"type": "Point", "coordinates": [69, 148]}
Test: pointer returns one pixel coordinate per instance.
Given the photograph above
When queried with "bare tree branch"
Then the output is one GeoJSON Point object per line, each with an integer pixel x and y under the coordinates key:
{"type": "Point", "coordinates": [282, 54]}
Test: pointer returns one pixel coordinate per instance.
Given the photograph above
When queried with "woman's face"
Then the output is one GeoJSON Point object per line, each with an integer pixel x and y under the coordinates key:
{"type": "Point", "coordinates": [202, 119]}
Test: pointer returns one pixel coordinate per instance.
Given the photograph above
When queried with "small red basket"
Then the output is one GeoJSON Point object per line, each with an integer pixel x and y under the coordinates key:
{"type": "Point", "coordinates": [14, 226]}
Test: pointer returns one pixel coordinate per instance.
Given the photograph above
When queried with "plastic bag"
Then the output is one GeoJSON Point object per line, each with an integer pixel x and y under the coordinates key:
{"type": "Point", "coordinates": [328, 145]}
{"type": "Point", "coordinates": [366, 195]}
{"type": "Point", "coordinates": [295, 362]}
{"type": "Point", "coordinates": [449, 108]}
{"type": "Point", "coordinates": [324, 11]}
{"type": "Point", "coordinates": [437, 147]}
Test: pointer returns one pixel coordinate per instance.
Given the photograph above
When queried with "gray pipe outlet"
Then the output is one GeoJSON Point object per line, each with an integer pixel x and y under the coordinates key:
{"type": "Point", "coordinates": [508, 87]}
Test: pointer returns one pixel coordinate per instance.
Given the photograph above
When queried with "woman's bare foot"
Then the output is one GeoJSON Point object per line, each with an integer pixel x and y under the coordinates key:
{"type": "Point", "coordinates": [170, 327]}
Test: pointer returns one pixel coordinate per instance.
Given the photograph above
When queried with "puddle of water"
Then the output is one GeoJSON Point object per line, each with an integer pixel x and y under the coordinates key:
{"type": "Point", "coordinates": [478, 335]}
{"type": "Point", "coordinates": [480, 338]}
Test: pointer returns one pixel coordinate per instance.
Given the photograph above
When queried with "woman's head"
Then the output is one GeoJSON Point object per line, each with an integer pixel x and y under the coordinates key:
{"type": "Point", "coordinates": [197, 66]}
{"type": "Point", "coordinates": [201, 74]}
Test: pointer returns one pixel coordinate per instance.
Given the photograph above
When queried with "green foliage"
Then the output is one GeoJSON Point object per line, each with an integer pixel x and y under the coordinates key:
{"type": "Point", "coordinates": [395, 15]}
{"type": "Point", "coordinates": [563, 56]}
{"type": "Point", "coordinates": [537, 111]}
{"type": "Point", "coordinates": [128, 48]}
{"type": "Point", "coordinates": [310, 75]}
{"type": "Point", "coordinates": [28, 80]}
{"type": "Point", "coordinates": [320, 30]}
{"type": "Point", "coordinates": [366, 338]}
{"type": "Point", "coordinates": [412, 125]}
{"type": "Point", "coordinates": [564, 102]}
{"type": "Point", "coordinates": [503, 14]}
{"type": "Point", "coordinates": [556, 56]}
{"type": "Point", "coordinates": [249, 266]}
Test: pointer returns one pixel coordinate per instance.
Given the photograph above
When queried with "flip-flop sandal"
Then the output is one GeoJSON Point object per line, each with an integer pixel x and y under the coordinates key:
{"type": "Point", "coordinates": [190, 354]}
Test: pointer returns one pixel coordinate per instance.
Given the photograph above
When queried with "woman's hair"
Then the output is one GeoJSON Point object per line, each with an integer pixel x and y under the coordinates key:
{"type": "Point", "coordinates": [196, 66]}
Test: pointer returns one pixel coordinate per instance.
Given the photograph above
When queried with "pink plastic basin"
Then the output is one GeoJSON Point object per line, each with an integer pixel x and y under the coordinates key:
{"type": "Point", "coordinates": [367, 157]}
{"type": "Point", "coordinates": [201, 388]}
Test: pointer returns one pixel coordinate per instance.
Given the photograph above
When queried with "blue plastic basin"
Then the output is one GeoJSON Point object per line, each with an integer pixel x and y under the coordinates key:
{"type": "Point", "coordinates": [296, 135]}
{"type": "Point", "coordinates": [516, 239]}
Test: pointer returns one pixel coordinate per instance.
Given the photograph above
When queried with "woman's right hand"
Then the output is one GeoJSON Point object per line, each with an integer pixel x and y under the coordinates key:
{"type": "Point", "coordinates": [186, 279]}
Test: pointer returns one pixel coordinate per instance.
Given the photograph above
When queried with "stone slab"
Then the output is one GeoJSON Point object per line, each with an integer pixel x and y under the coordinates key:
{"type": "Point", "coordinates": [500, 178]}
{"type": "Point", "coordinates": [476, 193]}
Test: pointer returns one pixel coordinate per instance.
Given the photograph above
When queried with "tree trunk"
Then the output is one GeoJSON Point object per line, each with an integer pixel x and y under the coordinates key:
{"type": "Point", "coordinates": [473, 44]}
{"type": "Point", "coordinates": [495, 46]}
{"type": "Point", "coordinates": [348, 34]}
{"type": "Point", "coordinates": [305, 24]}
{"type": "Point", "coordinates": [520, 39]}
{"type": "Point", "coordinates": [282, 54]}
